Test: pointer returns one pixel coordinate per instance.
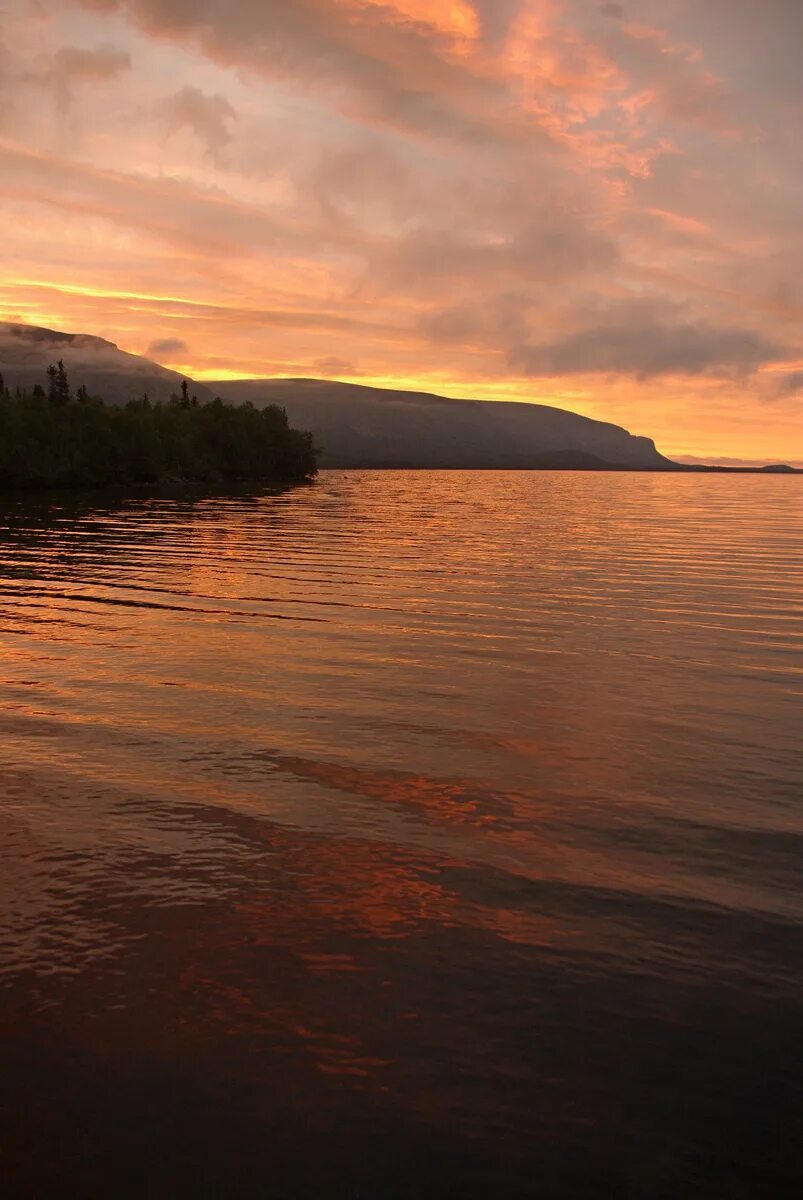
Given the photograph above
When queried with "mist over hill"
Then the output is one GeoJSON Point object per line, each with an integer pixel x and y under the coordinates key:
{"type": "Point", "coordinates": [26, 351]}
{"type": "Point", "coordinates": [357, 426]}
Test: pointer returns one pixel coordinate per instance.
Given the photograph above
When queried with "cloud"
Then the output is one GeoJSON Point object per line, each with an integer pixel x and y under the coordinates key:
{"type": "Point", "coordinates": [200, 219]}
{"type": "Point", "coordinates": [99, 64]}
{"type": "Point", "coordinates": [647, 339]}
{"type": "Point", "coordinates": [496, 18]}
{"type": "Point", "coordinates": [169, 348]}
{"type": "Point", "coordinates": [500, 320]}
{"type": "Point", "coordinates": [209, 117]}
{"type": "Point", "coordinates": [790, 384]}
{"type": "Point", "coordinates": [541, 248]}
{"type": "Point", "coordinates": [335, 367]}
{"type": "Point", "coordinates": [373, 61]}
{"type": "Point", "coordinates": [73, 65]}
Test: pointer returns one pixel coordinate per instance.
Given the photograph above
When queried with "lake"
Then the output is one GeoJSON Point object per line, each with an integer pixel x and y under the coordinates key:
{"type": "Point", "coordinates": [408, 834]}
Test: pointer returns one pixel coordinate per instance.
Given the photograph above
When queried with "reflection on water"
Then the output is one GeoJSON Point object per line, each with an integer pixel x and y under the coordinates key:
{"type": "Point", "coordinates": [406, 835]}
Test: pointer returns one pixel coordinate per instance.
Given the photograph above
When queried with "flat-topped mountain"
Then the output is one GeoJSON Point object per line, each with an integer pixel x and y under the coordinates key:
{"type": "Point", "coordinates": [26, 351]}
{"type": "Point", "coordinates": [354, 426]}
{"type": "Point", "coordinates": [357, 426]}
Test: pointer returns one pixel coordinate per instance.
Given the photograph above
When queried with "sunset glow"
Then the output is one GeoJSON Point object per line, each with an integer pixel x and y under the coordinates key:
{"type": "Point", "coordinates": [586, 204]}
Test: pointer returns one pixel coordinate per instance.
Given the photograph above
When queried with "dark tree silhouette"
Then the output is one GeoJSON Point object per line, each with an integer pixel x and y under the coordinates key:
{"type": "Point", "coordinates": [52, 383]}
{"type": "Point", "coordinates": [58, 385]}
{"type": "Point", "coordinates": [64, 386]}
{"type": "Point", "coordinates": [87, 443]}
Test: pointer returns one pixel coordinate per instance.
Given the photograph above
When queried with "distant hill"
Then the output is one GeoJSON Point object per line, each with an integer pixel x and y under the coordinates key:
{"type": "Point", "coordinates": [26, 351]}
{"type": "Point", "coordinates": [373, 427]}
{"type": "Point", "coordinates": [742, 464]}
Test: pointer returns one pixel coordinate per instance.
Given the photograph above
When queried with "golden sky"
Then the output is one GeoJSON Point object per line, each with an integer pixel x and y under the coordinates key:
{"type": "Point", "coordinates": [588, 204]}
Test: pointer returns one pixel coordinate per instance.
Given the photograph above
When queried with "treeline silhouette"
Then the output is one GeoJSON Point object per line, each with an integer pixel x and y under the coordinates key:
{"type": "Point", "coordinates": [52, 437]}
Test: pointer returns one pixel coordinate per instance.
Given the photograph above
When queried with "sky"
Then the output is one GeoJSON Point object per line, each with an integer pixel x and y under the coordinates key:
{"type": "Point", "coordinates": [589, 204]}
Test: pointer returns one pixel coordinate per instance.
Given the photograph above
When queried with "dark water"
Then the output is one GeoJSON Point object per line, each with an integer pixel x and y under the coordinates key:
{"type": "Point", "coordinates": [409, 835]}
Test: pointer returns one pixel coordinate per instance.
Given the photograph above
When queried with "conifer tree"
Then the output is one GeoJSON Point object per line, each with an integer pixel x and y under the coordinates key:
{"type": "Point", "coordinates": [52, 384]}
{"type": "Point", "coordinates": [63, 384]}
{"type": "Point", "coordinates": [58, 385]}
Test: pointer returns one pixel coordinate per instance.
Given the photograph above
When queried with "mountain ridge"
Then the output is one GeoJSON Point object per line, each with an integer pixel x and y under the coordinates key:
{"type": "Point", "coordinates": [362, 426]}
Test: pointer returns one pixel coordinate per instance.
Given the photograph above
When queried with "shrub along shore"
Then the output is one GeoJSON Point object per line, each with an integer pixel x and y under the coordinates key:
{"type": "Point", "coordinates": [50, 437]}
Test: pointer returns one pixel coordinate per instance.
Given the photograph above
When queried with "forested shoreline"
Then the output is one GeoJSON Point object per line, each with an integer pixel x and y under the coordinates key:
{"type": "Point", "coordinates": [52, 437]}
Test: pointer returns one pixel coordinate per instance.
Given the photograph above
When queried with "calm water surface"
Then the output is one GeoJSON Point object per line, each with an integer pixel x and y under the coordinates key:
{"type": "Point", "coordinates": [408, 835]}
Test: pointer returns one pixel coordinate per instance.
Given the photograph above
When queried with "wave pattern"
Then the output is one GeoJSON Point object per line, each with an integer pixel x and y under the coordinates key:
{"type": "Point", "coordinates": [468, 805]}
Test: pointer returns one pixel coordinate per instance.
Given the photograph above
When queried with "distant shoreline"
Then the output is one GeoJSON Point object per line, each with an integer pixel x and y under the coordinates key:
{"type": "Point", "coordinates": [602, 468]}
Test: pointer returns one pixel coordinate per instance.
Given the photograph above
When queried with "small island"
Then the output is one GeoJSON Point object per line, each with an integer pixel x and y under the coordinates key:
{"type": "Point", "coordinates": [52, 437]}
